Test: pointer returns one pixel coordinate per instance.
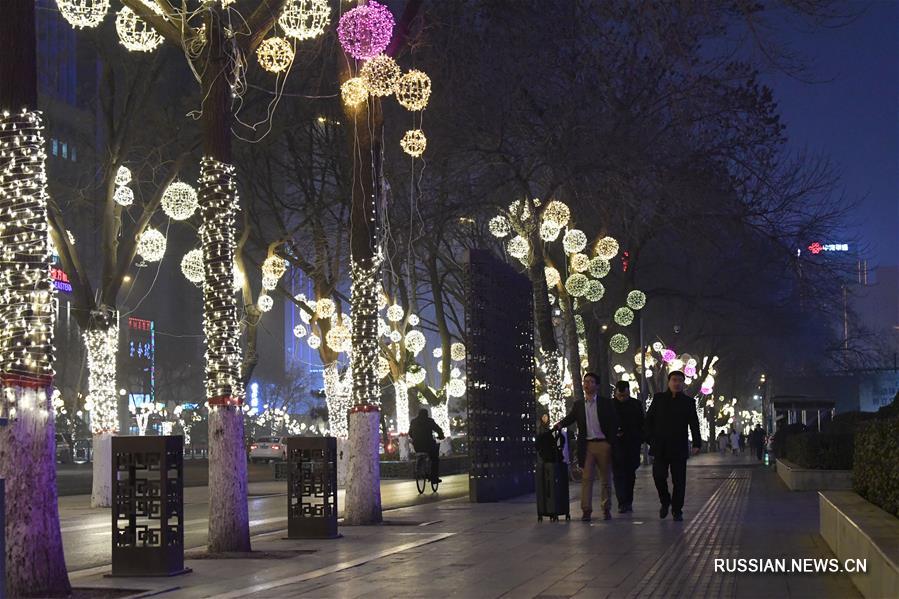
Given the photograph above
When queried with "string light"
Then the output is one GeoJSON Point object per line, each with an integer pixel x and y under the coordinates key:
{"type": "Point", "coordinates": [275, 54]}
{"type": "Point", "coordinates": [123, 196]}
{"type": "Point", "coordinates": [353, 92]}
{"type": "Point", "coordinates": [549, 231]}
{"type": "Point", "coordinates": [337, 396]}
{"type": "Point", "coordinates": [123, 176]}
{"type": "Point", "coordinates": [599, 267]}
{"type": "Point", "coordinates": [580, 262]}
{"type": "Point", "coordinates": [380, 75]}
{"type": "Point", "coordinates": [192, 266]}
{"type": "Point", "coordinates": [518, 247]}
{"type": "Point", "coordinates": [239, 278]}
{"type": "Point", "coordinates": [364, 299]}
{"type": "Point", "coordinates": [624, 316]}
{"type": "Point", "coordinates": [221, 326]}
{"type": "Point", "coordinates": [339, 338]}
{"type": "Point", "coordinates": [299, 331]}
{"type": "Point", "coordinates": [401, 392]}
{"type": "Point", "coordinates": [499, 226]}
{"type": "Point", "coordinates": [365, 31]}
{"type": "Point", "coordinates": [395, 313]}
{"type": "Point", "coordinates": [83, 13]}
{"type": "Point", "coordinates": [457, 351]}
{"type": "Point", "coordinates": [414, 142]}
{"type": "Point", "coordinates": [636, 299]}
{"type": "Point", "coordinates": [557, 212]}
{"type": "Point", "coordinates": [265, 302]}
{"type": "Point", "coordinates": [552, 276]}
{"type": "Point", "coordinates": [576, 285]}
{"type": "Point", "coordinates": [325, 308]}
{"type": "Point", "coordinates": [551, 365]}
{"type": "Point", "coordinates": [618, 343]}
{"type": "Point", "coordinates": [134, 33]}
{"type": "Point", "coordinates": [151, 245]}
{"type": "Point", "coordinates": [413, 90]}
{"type": "Point", "coordinates": [415, 342]}
{"type": "Point", "coordinates": [305, 19]}
{"type": "Point", "coordinates": [179, 201]}
{"type": "Point", "coordinates": [594, 291]}
{"type": "Point", "coordinates": [102, 401]}
{"type": "Point", "coordinates": [607, 248]}
{"type": "Point", "coordinates": [574, 241]}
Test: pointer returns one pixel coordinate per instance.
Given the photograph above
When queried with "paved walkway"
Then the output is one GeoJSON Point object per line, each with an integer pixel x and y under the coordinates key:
{"type": "Point", "coordinates": [734, 508]}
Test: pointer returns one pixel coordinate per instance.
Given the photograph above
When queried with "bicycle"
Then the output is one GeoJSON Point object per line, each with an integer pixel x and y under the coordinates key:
{"type": "Point", "coordinates": [423, 472]}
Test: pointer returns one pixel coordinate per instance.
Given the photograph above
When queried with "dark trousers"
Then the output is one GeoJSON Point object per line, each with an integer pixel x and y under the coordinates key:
{"type": "Point", "coordinates": [624, 471]}
{"type": "Point", "coordinates": [433, 451]}
{"type": "Point", "coordinates": [678, 467]}
{"type": "Point", "coordinates": [759, 451]}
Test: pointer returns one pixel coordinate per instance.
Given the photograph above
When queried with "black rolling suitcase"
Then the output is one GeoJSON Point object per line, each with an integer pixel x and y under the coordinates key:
{"type": "Point", "coordinates": [552, 477]}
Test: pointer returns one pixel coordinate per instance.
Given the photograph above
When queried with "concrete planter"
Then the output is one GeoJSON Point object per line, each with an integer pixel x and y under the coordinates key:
{"type": "Point", "coordinates": [855, 528]}
{"type": "Point", "coordinates": [798, 478]}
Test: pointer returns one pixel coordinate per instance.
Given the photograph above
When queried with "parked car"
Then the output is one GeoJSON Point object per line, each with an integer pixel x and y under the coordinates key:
{"type": "Point", "coordinates": [63, 451]}
{"type": "Point", "coordinates": [268, 449]}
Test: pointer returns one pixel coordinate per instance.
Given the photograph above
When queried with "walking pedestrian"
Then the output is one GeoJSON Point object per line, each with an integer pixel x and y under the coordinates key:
{"type": "Point", "coordinates": [742, 443]}
{"type": "Point", "coordinates": [666, 423]}
{"type": "Point", "coordinates": [722, 442]}
{"type": "Point", "coordinates": [597, 432]}
{"type": "Point", "coordinates": [759, 433]}
{"type": "Point", "coordinates": [734, 441]}
{"type": "Point", "coordinates": [626, 457]}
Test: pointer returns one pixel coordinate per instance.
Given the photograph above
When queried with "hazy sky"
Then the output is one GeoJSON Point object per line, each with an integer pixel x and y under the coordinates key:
{"type": "Point", "coordinates": [853, 116]}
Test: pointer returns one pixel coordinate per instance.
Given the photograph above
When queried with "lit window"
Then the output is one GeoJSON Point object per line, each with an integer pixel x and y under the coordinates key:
{"type": "Point", "coordinates": [65, 150]}
{"type": "Point", "coordinates": [54, 144]}
{"type": "Point", "coordinates": [72, 154]}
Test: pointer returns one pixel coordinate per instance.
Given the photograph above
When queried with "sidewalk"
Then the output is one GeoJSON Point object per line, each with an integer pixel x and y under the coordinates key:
{"type": "Point", "coordinates": [458, 549]}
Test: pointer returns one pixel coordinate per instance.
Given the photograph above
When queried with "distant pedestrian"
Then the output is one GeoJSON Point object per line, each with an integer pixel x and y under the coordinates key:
{"type": "Point", "coordinates": [626, 457]}
{"type": "Point", "coordinates": [734, 441]}
{"type": "Point", "coordinates": [722, 442]}
{"type": "Point", "coordinates": [742, 443]}
{"type": "Point", "coordinates": [759, 433]}
{"type": "Point", "coordinates": [597, 432]}
{"type": "Point", "coordinates": [666, 423]}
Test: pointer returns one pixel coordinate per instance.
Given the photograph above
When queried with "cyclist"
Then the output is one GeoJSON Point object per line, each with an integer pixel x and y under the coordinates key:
{"type": "Point", "coordinates": [421, 430]}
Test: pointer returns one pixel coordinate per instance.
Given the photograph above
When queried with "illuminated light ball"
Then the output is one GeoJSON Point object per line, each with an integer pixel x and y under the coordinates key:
{"type": "Point", "coordinates": [265, 302]}
{"type": "Point", "coordinates": [416, 375]}
{"type": "Point", "coordinates": [552, 276]}
{"type": "Point", "coordinates": [123, 196]}
{"type": "Point", "coordinates": [415, 341]}
{"type": "Point", "coordinates": [706, 390]}
{"type": "Point", "coordinates": [438, 352]}
{"type": "Point", "coordinates": [192, 266]}
{"type": "Point", "coordinates": [668, 356]}
{"type": "Point", "coordinates": [518, 247]}
{"type": "Point", "coordinates": [299, 331]}
{"type": "Point", "coordinates": [599, 267]}
{"type": "Point", "coordinates": [383, 367]}
{"type": "Point", "coordinates": [455, 388]}
{"type": "Point", "coordinates": [692, 362]}
{"type": "Point", "coordinates": [607, 248]}
{"type": "Point", "coordinates": [690, 371]}
{"type": "Point", "coordinates": [576, 285]}
{"type": "Point", "coordinates": [557, 212]}
{"type": "Point", "coordinates": [275, 54]}
{"type": "Point", "coordinates": [365, 31]}
{"type": "Point", "coordinates": [624, 316]}
{"type": "Point", "coordinates": [353, 92]}
{"type": "Point", "coordinates": [339, 339]}
{"type": "Point", "coordinates": [305, 19]}
{"type": "Point", "coordinates": [709, 381]}
{"type": "Point", "coordinates": [499, 226]}
{"type": "Point", "coordinates": [274, 266]}
{"type": "Point", "coordinates": [269, 282]}
{"type": "Point", "coordinates": [594, 291]}
{"type": "Point", "coordinates": [413, 90]}
{"type": "Point", "coordinates": [395, 313]}
{"type": "Point", "coordinates": [413, 320]}
{"type": "Point", "coordinates": [574, 241]}
{"type": "Point", "coordinates": [134, 33]}
{"type": "Point", "coordinates": [543, 400]}
{"type": "Point", "coordinates": [314, 341]}
{"type": "Point", "coordinates": [580, 262]}
{"type": "Point", "coordinates": [151, 245]}
{"type": "Point", "coordinates": [549, 231]}
{"type": "Point", "coordinates": [676, 364]}
{"type": "Point", "coordinates": [636, 299]}
{"type": "Point", "coordinates": [380, 75]}
{"type": "Point", "coordinates": [179, 201]}
{"type": "Point", "coordinates": [457, 351]}
{"type": "Point", "coordinates": [395, 336]}
{"type": "Point", "coordinates": [83, 13]}
{"type": "Point", "coordinates": [618, 343]}
{"type": "Point", "coordinates": [687, 380]}
{"type": "Point", "coordinates": [414, 142]}
{"type": "Point", "coordinates": [648, 373]}
{"type": "Point", "coordinates": [657, 346]}
{"type": "Point", "coordinates": [123, 176]}
{"type": "Point", "coordinates": [325, 308]}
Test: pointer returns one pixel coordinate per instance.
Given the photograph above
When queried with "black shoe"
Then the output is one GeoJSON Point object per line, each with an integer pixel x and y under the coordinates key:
{"type": "Point", "coordinates": [629, 509]}
{"type": "Point", "coordinates": [623, 509]}
{"type": "Point", "coordinates": [607, 515]}
{"type": "Point", "coordinates": [678, 517]}
{"type": "Point", "coordinates": [663, 512]}
{"type": "Point", "coordinates": [439, 480]}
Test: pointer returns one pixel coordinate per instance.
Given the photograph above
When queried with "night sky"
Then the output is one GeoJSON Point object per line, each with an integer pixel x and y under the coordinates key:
{"type": "Point", "coordinates": [852, 115]}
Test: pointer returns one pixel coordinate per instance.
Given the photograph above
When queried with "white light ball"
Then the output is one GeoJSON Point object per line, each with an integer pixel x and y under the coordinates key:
{"type": "Point", "coordinates": [415, 341]}
{"type": "Point", "coordinates": [325, 308]}
{"type": "Point", "coordinates": [518, 247]}
{"type": "Point", "coordinates": [274, 266]}
{"type": "Point", "coordinates": [134, 33]}
{"type": "Point", "coordinates": [413, 320]}
{"type": "Point", "coordinates": [269, 283]}
{"type": "Point", "coordinates": [557, 212]}
{"type": "Point", "coordinates": [618, 343]}
{"type": "Point", "coordinates": [607, 248]}
{"type": "Point", "coordinates": [265, 302]}
{"type": "Point", "coordinates": [314, 341]}
{"type": "Point", "coordinates": [552, 276]}
{"type": "Point", "coordinates": [151, 245]}
{"type": "Point", "coordinates": [380, 75]}
{"type": "Point", "coordinates": [192, 266]}
{"type": "Point", "coordinates": [599, 267]}
{"type": "Point", "coordinates": [123, 176]}
{"type": "Point", "coordinates": [636, 299]}
{"type": "Point", "coordinates": [416, 376]}
{"type": "Point", "coordinates": [438, 352]}
{"type": "Point", "coordinates": [305, 19]}
{"type": "Point", "coordinates": [414, 142]}
{"type": "Point", "coordinates": [179, 201]}
{"type": "Point", "coordinates": [339, 339]}
{"type": "Point", "coordinates": [275, 54]}
{"type": "Point", "coordinates": [83, 13]}
{"type": "Point", "coordinates": [457, 351]}
{"type": "Point", "coordinates": [580, 262]}
{"type": "Point", "coordinates": [455, 388]}
{"type": "Point", "coordinates": [383, 367]}
{"type": "Point", "coordinates": [123, 196]}
{"type": "Point", "coordinates": [574, 241]}
{"type": "Point", "coordinates": [395, 313]}
{"type": "Point", "coordinates": [395, 336]}
{"type": "Point", "coordinates": [549, 231]}
{"type": "Point", "coordinates": [499, 226]}
{"type": "Point", "coordinates": [299, 331]}
{"type": "Point", "coordinates": [413, 90]}
{"type": "Point", "coordinates": [576, 285]}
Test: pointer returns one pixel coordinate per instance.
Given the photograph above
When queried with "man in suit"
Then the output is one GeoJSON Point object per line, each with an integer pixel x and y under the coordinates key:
{"type": "Point", "coordinates": [667, 419]}
{"type": "Point", "coordinates": [597, 431]}
{"type": "Point", "coordinates": [421, 431]}
{"type": "Point", "coordinates": [626, 458]}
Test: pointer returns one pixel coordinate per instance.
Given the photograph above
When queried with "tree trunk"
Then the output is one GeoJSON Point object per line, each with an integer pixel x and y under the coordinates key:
{"type": "Point", "coordinates": [337, 398]}
{"type": "Point", "coordinates": [101, 344]}
{"type": "Point", "coordinates": [401, 391]}
{"type": "Point", "coordinates": [229, 526]}
{"type": "Point", "coordinates": [572, 340]}
{"type": "Point", "coordinates": [35, 563]}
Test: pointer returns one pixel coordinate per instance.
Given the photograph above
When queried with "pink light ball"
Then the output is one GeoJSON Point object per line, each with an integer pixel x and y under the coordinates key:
{"type": "Point", "coordinates": [690, 371]}
{"type": "Point", "coordinates": [705, 390]}
{"type": "Point", "coordinates": [668, 356]}
{"type": "Point", "coordinates": [365, 31]}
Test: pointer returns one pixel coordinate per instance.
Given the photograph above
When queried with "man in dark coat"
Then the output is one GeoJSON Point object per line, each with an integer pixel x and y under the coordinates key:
{"type": "Point", "coordinates": [667, 419]}
{"type": "Point", "coordinates": [597, 432]}
{"type": "Point", "coordinates": [626, 458]}
{"type": "Point", "coordinates": [421, 431]}
{"type": "Point", "coordinates": [758, 443]}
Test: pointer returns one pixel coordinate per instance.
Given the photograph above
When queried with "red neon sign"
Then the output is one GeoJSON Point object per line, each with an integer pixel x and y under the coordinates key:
{"type": "Point", "coordinates": [139, 324]}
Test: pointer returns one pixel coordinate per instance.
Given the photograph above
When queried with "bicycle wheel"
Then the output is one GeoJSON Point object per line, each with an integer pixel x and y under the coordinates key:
{"type": "Point", "coordinates": [434, 487]}
{"type": "Point", "coordinates": [420, 485]}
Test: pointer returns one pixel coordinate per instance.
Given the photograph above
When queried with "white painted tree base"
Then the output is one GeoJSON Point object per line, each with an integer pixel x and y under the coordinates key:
{"type": "Point", "coordinates": [229, 523]}
{"type": "Point", "coordinates": [101, 456]}
{"type": "Point", "coordinates": [363, 488]}
{"type": "Point", "coordinates": [35, 564]}
{"type": "Point", "coordinates": [343, 461]}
